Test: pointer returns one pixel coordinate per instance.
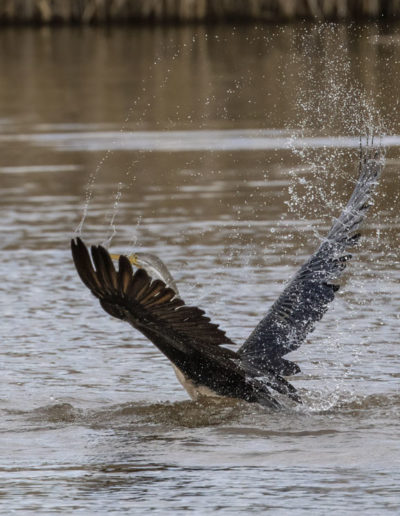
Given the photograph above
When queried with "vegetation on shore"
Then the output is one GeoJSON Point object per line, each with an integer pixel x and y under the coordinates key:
{"type": "Point", "coordinates": [120, 11]}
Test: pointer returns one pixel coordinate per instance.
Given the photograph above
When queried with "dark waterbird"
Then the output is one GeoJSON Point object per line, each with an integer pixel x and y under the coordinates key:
{"type": "Point", "coordinates": [194, 344]}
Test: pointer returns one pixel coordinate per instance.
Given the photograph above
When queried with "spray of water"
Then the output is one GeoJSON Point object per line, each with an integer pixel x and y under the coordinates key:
{"type": "Point", "coordinates": [114, 212]}
{"type": "Point", "coordinates": [89, 194]}
{"type": "Point", "coordinates": [130, 178]}
{"type": "Point", "coordinates": [331, 101]}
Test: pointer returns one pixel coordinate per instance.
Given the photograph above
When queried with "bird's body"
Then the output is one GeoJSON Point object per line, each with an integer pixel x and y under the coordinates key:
{"type": "Point", "coordinates": [194, 345]}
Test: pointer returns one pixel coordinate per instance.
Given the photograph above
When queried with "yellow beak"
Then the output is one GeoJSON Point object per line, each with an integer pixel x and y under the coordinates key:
{"type": "Point", "coordinates": [132, 258]}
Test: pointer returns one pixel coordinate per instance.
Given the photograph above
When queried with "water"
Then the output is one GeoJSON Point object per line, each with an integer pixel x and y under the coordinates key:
{"type": "Point", "coordinates": [233, 197]}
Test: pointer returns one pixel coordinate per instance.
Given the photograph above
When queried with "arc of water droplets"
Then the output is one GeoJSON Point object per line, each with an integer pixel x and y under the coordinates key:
{"type": "Point", "coordinates": [130, 168]}
{"type": "Point", "coordinates": [133, 241]}
{"type": "Point", "coordinates": [119, 191]}
{"type": "Point", "coordinates": [89, 194]}
{"type": "Point", "coordinates": [118, 196]}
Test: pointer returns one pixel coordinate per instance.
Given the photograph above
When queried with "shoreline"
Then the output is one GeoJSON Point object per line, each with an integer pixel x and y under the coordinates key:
{"type": "Point", "coordinates": [83, 12]}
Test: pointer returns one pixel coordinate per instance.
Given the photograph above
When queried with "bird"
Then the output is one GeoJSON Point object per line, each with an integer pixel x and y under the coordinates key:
{"type": "Point", "coordinates": [148, 299]}
{"type": "Point", "coordinates": [153, 265]}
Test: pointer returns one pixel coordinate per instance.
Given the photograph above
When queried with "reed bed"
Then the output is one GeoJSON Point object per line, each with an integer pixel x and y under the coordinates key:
{"type": "Point", "coordinates": [110, 11]}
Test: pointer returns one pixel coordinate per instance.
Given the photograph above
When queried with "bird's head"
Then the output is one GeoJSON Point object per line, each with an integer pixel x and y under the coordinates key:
{"type": "Point", "coordinates": [153, 265]}
{"type": "Point", "coordinates": [133, 258]}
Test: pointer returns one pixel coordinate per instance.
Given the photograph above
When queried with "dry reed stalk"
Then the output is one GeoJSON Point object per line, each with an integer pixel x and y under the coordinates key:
{"type": "Point", "coordinates": [102, 11]}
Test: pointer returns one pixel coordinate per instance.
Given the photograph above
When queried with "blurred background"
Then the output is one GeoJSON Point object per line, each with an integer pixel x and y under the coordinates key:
{"type": "Point", "coordinates": [100, 11]}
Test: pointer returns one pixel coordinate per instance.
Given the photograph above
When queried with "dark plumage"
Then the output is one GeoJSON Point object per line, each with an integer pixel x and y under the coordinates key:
{"type": "Point", "coordinates": [193, 344]}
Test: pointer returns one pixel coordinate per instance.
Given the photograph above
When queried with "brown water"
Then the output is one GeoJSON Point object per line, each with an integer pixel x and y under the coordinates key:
{"type": "Point", "coordinates": [227, 152]}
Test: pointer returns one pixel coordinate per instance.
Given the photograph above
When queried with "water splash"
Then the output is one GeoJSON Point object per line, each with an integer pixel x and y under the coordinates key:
{"type": "Point", "coordinates": [134, 239]}
{"type": "Point", "coordinates": [331, 100]}
{"type": "Point", "coordinates": [132, 110]}
{"type": "Point", "coordinates": [89, 195]}
{"type": "Point", "coordinates": [117, 199]}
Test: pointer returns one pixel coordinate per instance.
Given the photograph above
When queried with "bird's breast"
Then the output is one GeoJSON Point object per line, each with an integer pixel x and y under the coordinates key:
{"type": "Point", "coordinates": [195, 391]}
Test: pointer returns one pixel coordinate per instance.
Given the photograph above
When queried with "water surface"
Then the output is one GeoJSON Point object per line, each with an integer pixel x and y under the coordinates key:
{"type": "Point", "coordinates": [227, 152]}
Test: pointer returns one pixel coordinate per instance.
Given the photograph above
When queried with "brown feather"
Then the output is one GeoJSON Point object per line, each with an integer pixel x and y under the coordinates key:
{"type": "Point", "coordinates": [84, 266]}
{"type": "Point", "coordinates": [139, 282]}
{"type": "Point", "coordinates": [103, 274]}
{"type": "Point", "coordinates": [164, 296]}
{"type": "Point", "coordinates": [109, 269]}
{"type": "Point", "coordinates": [123, 292]}
{"type": "Point", "coordinates": [156, 288]}
{"type": "Point", "coordinates": [125, 273]}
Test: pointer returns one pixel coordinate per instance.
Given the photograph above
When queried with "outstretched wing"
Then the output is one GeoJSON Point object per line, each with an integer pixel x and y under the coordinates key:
{"type": "Point", "coordinates": [136, 298]}
{"type": "Point", "coordinates": [306, 297]}
{"type": "Point", "coordinates": [183, 333]}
